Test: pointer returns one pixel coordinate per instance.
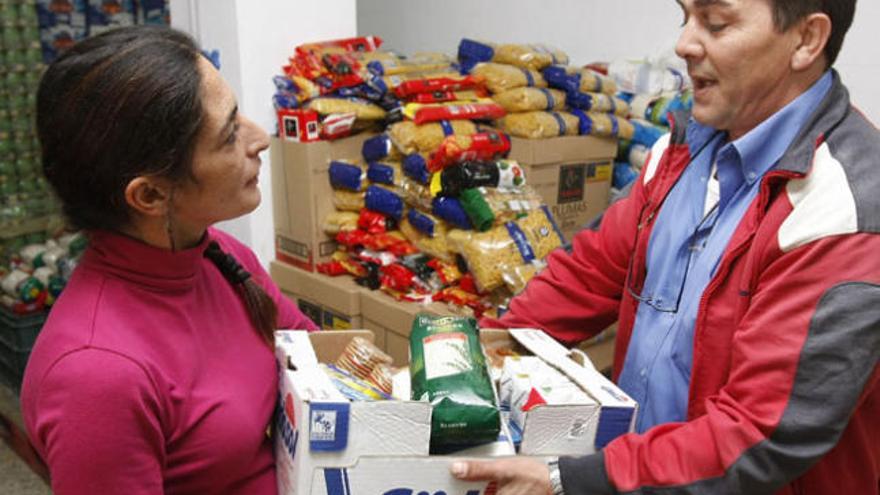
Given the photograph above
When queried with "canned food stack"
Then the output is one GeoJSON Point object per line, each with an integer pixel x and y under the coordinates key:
{"type": "Point", "coordinates": [28, 210]}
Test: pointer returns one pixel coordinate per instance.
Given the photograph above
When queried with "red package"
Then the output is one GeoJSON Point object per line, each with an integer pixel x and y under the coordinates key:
{"type": "Point", "coordinates": [482, 146]}
{"type": "Point", "coordinates": [332, 268]}
{"type": "Point", "coordinates": [382, 241]}
{"type": "Point", "coordinates": [352, 238]}
{"type": "Point", "coordinates": [402, 249]}
{"type": "Point", "coordinates": [373, 222]}
{"type": "Point", "coordinates": [432, 84]}
{"type": "Point", "coordinates": [447, 272]}
{"type": "Point", "coordinates": [482, 110]}
{"type": "Point", "coordinates": [396, 277]}
{"type": "Point", "coordinates": [337, 125]}
{"type": "Point", "coordinates": [459, 297]}
{"type": "Point", "coordinates": [358, 44]}
{"type": "Point", "coordinates": [441, 96]}
{"type": "Point", "coordinates": [467, 284]}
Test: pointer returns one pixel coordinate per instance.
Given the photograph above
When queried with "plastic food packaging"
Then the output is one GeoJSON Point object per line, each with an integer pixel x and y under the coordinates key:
{"type": "Point", "coordinates": [344, 175]}
{"type": "Point", "coordinates": [363, 109]}
{"type": "Point", "coordinates": [501, 77]}
{"type": "Point", "coordinates": [431, 84]}
{"type": "Point", "coordinates": [487, 145]}
{"type": "Point", "coordinates": [410, 137]}
{"type": "Point", "coordinates": [353, 387]}
{"type": "Point", "coordinates": [511, 204]}
{"type": "Point", "coordinates": [528, 99]}
{"type": "Point", "coordinates": [449, 95]}
{"type": "Point", "coordinates": [530, 56]}
{"type": "Point", "coordinates": [536, 125]}
{"type": "Point", "coordinates": [360, 356]}
{"type": "Point", "coordinates": [415, 194]}
{"type": "Point", "coordinates": [436, 244]}
{"type": "Point", "coordinates": [604, 125]}
{"type": "Point", "coordinates": [348, 200]}
{"type": "Point", "coordinates": [503, 174]}
{"type": "Point", "coordinates": [598, 102]}
{"type": "Point", "coordinates": [415, 166]}
{"type": "Point", "coordinates": [527, 382]}
{"type": "Point", "coordinates": [422, 62]}
{"type": "Point", "coordinates": [340, 220]}
{"type": "Point", "coordinates": [385, 201]}
{"type": "Point", "coordinates": [450, 210]}
{"type": "Point", "coordinates": [387, 172]}
{"type": "Point", "coordinates": [574, 79]}
{"type": "Point", "coordinates": [379, 148]}
{"type": "Point", "coordinates": [421, 113]}
{"type": "Point", "coordinates": [514, 243]}
{"type": "Point", "coordinates": [448, 369]}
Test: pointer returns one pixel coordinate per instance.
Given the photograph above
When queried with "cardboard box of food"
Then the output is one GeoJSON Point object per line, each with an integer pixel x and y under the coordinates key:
{"type": "Point", "coordinates": [327, 444]}
{"type": "Point", "coordinates": [334, 303]}
{"type": "Point", "coordinates": [302, 197]}
{"type": "Point", "coordinates": [571, 173]}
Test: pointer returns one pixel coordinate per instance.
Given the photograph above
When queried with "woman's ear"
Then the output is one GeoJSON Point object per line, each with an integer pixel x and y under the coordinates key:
{"type": "Point", "coordinates": [815, 30]}
{"type": "Point", "coordinates": [149, 195]}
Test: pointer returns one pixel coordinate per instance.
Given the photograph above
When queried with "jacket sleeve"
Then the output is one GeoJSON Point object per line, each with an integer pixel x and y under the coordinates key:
{"type": "Point", "coordinates": [579, 292]}
{"type": "Point", "coordinates": [804, 358]}
{"type": "Point", "coordinates": [99, 426]}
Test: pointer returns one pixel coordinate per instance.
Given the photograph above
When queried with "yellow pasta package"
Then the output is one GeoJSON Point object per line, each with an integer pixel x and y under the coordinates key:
{"type": "Point", "coordinates": [527, 99]}
{"type": "Point", "coordinates": [501, 77]}
{"type": "Point", "coordinates": [409, 137]}
{"type": "Point", "coordinates": [363, 109]}
{"type": "Point", "coordinates": [536, 125]}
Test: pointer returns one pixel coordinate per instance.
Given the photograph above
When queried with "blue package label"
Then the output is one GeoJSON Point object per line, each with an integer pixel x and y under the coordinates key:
{"type": "Point", "coordinates": [328, 426]}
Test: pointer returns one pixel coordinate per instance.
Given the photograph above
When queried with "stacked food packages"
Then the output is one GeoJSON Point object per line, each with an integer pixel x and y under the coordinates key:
{"type": "Point", "coordinates": [34, 276]}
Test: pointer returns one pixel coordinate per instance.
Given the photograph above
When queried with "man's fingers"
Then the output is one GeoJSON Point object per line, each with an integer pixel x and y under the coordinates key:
{"type": "Point", "coordinates": [474, 470]}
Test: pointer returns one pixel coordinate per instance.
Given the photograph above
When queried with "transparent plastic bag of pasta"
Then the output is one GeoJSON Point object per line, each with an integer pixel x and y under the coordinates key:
{"type": "Point", "coordinates": [501, 77]}
{"type": "Point", "coordinates": [448, 369]}
{"type": "Point", "coordinates": [537, 125]}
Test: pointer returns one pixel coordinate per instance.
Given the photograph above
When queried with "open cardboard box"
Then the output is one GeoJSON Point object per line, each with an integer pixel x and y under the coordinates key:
{"type": "Point", "coordinates": [326, 444]}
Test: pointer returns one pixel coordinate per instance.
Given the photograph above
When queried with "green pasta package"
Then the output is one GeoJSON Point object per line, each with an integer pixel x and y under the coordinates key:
{"type": "Point", "coordinates": [448, 369]}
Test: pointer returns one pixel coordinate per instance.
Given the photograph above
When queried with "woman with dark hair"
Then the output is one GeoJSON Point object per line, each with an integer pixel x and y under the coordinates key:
{"type": "Point", "coordinates": [154, 372]}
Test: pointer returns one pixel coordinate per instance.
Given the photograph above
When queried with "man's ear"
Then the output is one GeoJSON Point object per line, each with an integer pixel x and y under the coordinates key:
{"type": "Point", "coordinates": [815, 29]}
{"type": "Point", "coordinates": [149, 195]}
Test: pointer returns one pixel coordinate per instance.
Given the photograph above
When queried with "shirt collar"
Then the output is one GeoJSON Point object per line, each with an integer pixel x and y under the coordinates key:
{"type": "Point", "coordinates": [759, 149]}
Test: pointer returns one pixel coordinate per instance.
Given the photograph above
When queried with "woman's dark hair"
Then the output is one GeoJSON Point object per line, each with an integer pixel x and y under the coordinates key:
{"type": "Point", "coordinates": [787, 12]}
{"type": "Point", "coordinates": [120, 105]}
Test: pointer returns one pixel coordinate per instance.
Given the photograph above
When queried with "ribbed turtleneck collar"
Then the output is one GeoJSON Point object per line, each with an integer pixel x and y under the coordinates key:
{"type": "Point", "coordinates": [157, 268]}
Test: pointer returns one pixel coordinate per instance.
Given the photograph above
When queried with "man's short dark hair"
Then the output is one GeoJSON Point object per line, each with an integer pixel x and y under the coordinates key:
{"type": "Point", "coordinates": [787, 12]}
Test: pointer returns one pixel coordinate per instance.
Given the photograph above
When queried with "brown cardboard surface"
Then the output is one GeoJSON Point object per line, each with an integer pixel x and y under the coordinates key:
{"type": "Point", "coordinates": [571, 173]}
{"type": "Point", "coordinates": [302, 196]}
{"type": "Point", "coordinates": [331, 302]}
{"type": "Point", "coordinates": [395, 316]}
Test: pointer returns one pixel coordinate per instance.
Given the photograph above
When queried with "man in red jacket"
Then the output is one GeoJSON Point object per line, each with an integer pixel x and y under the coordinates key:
{"type": "Point", "coordinates": [742, 269]}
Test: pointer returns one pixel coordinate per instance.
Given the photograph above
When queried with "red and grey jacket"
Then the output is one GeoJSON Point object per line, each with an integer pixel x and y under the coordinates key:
{"type": "Point", "coordinates": [784, 394]}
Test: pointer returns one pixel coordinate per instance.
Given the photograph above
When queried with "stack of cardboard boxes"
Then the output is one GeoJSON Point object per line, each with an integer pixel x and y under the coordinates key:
{"type": "Point", "coordinates": [572, 174]}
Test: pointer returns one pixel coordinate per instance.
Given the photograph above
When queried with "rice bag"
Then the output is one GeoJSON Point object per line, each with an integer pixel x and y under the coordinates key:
{"type": "Point", "coordinates": [598, 102]}
{"type": "Point", "coordinates": [574, 79]}
{"type": "Point", "coordinates": [501, 77]}
{"type": "Point", "coordinates": [536, 125]}
{"type": "Point", "coordinates": [421, 113]}
{"type": "Point", "coordinates": [448, 369]}
{"type": "Point", "coordinates": [410, 137]}
{"type": "Point", "coordinates": [527, 99]}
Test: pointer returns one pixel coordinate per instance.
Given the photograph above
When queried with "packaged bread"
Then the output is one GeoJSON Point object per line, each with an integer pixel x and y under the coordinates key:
{"type": "Point", "coordinates": [410, 138]}
{"type": "Point", "coordinates": [536, 125]}
{"type": "Point", "coordinates": [363, 109]}
{"type": "Point", "coordinates": [598, 102]}
{"type": "Point", "coordinates": [501, 77]}
{"type": "Point", "coordinates": [489, 254]}
{"type": "Point", "coordinates": [527, 99]}
{"type": "Point", "coordinates": [575, 79]}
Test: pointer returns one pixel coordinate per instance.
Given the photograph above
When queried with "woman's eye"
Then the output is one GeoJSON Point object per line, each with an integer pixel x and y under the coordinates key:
{"type": "Point", "coordinates": [233, 136]}
{"type": "Point", "coordinates": [716, 28]}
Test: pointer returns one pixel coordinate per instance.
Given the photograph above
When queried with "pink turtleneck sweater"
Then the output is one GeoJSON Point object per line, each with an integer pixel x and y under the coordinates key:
{"type": "Point", "coordinates": [148, 377]}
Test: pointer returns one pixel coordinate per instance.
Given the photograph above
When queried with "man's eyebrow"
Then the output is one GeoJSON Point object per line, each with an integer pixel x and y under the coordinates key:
{"type": "Point", "coordinates": [707, 3]}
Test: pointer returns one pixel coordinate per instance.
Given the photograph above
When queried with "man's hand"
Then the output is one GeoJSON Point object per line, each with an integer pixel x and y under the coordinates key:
{"type": "Point", "coordinates": [514, 476]}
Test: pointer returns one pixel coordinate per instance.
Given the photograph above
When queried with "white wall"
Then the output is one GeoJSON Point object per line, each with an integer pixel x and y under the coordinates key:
{"type": "Point", "coordinates": [588, 30]}
{"type": "Point", "coordinates": [255, 39]}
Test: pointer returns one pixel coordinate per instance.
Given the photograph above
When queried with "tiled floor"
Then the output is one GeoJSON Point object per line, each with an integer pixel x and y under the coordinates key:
{"type": "Point", "coordinates": [16, 478]}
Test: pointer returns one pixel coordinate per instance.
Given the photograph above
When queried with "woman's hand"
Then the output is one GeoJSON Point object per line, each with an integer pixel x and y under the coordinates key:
{"type": "Point", "coordinates": [517, 476]}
